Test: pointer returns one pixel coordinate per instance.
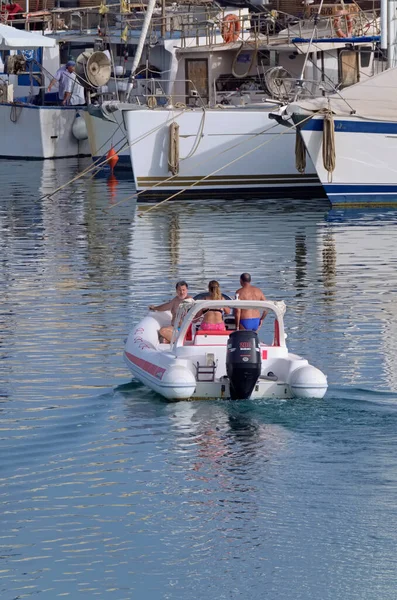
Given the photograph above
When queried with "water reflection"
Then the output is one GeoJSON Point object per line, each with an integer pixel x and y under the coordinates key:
{"type": "Point", "coordinates": [329, 266]}
{"type": "Point", "coordinates": [106, 488]}
{"type": "Point", "coordinates": [301, 262]}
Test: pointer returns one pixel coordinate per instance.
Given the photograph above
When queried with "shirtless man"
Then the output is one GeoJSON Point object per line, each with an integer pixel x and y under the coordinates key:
{"type": "Point", "coordinates": [172, 305]}
{"type": "Point", "coordinates": [248, 318]}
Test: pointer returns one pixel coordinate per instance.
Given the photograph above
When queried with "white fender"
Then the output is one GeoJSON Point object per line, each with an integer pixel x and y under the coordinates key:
{"type": "Point", "coordinates": [79, 128]}
{"type": "Point", "coordinates": [308, 382]}
{"type": "Point", "coordinates": [178, 383]}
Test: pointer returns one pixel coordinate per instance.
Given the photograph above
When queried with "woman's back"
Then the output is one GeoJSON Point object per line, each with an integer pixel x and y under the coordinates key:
{"type": "Point", "coordinates": [213, 318]}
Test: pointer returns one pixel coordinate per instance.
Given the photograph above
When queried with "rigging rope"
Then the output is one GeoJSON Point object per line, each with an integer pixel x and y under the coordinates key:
{"type": "Point", "coordinates": [251, 62]}
{"type": "Point", "coordinates": [198, 139]}
{"type": "Point", "coordinates": [102, 162]}
{"type": "Point", "coordinates": [15, 111]}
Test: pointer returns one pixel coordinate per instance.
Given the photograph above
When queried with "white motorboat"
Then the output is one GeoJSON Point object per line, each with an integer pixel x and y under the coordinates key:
{"type": "Point", "coordinates": [205, 364]}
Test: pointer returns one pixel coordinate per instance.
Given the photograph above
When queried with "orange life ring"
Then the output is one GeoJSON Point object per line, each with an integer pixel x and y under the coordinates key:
{"type": "Point", "coordinates": [349, 24]}
{"type": "Point", "coordinates": [231, 28]}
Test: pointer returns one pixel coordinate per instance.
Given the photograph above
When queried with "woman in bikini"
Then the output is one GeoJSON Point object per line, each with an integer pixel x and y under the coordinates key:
{"type": "Point", "coordinates": [213, 318]}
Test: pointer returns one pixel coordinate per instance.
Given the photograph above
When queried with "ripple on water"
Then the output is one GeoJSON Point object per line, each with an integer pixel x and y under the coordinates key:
{"type": "Point", "coordinates": [106, 491]}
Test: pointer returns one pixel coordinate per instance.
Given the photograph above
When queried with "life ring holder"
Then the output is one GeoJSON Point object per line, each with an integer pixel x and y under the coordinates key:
{"type": "Point", "coordinates": [231, 28]}
{"type": "Point", "coordinates": [337, 24]}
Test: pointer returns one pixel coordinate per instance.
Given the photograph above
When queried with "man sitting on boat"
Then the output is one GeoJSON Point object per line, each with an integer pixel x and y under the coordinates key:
{"type": "Point", "coordinates": [248, 318]}
{"type": "Point", "coordinates": [172, 305]}
{"type": "Point", "coordinates": [213, 319]}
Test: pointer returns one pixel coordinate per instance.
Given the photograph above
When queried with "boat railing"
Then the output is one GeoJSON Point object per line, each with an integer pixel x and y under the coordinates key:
{"type": "Point", "coordinates": [284, 89]}
{"type": "Point", "coordinates": [156, 93]}
{"type": "Point", "coordinates": [183, 93]}
{"type": "Point", "coordinates": [205, 25]}
{"type": "Point", "coordinates": [275, 27]}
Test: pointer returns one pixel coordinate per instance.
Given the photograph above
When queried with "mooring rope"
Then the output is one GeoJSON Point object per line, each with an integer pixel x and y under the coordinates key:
{"type": "Point", "coordinates": [300, 153]}
{"type": "Point", "coordinates": [329, 150]}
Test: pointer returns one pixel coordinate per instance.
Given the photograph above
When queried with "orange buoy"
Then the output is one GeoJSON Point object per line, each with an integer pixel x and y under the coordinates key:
{"type": "Point", "coordinates": [112, 158]}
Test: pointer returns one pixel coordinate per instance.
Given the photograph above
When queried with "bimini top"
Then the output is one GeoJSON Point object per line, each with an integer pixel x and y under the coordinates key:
{"type": "Point", "coordinates": [19, 39]}
{"type": "Point", "coordinates": [188, 310]}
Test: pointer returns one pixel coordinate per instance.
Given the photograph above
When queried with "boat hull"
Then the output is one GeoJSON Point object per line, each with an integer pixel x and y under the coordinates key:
{"type": "Point", "coordinates": [365, 171]}
{"type": "Point", "coordinates": [229, 151]}
{"type": "Point", "coordinates": [104, 134]}
{"type": "Point", "coordinates": [39, 132]}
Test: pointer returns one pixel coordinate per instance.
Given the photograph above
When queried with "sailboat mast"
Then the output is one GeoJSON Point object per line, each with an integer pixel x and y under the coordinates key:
{"type": "Point", "coordinates": [383, 24]}
{"type": "Point", "coordinates": [141, 43]}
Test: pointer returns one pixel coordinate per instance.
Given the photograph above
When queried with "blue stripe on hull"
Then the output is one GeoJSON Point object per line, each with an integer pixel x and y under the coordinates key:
{"type": "Point", "coordinates": [374, 188]}
{"type": "Point", "coordinates": [361, 195]}
{"type": "Point", "coordinates": [353, 126]}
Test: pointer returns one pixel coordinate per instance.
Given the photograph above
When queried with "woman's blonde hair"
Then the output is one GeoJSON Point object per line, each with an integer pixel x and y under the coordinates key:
{"type": "Point", "coordinates": [215, 290]}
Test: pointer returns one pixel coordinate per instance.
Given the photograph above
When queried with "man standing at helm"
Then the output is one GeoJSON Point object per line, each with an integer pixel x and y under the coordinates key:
{"type": "Point", "coordinates": [248, 318]}
{"type": "Point", "coordinates": [172, 305]}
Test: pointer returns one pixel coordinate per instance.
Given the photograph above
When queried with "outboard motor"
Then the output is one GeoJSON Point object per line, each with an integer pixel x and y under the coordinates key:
{"type": "Point", "coordinates": [243, 363]}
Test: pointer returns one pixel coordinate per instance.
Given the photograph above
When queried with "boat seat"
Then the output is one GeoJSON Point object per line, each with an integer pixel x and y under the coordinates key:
{"type": "Point", "coordinates": [206, 337]}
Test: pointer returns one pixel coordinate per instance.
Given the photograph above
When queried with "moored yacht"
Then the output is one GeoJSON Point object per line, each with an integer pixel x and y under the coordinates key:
{"type": "Point", "coordinates": [203, 123]}
{"type": "Point", "coordinates": [351, 138]}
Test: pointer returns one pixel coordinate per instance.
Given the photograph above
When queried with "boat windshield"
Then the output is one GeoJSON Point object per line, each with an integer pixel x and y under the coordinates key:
{"type": "Point", "coordinates": [189, 316]}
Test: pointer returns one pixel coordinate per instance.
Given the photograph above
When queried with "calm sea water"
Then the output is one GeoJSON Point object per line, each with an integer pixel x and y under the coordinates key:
{"type": "Point", "coordinates": [106, 491]}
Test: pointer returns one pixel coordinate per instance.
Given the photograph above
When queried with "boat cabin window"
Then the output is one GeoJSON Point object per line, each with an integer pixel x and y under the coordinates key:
{"type": "Point", "coordinates": [71, 50]}
{"type": "Point", "coordinates": [229, 83]}
{"type": "Point", "coordinates": [230, 89]}
{"type": "Point", "coordinates": [365, 57]}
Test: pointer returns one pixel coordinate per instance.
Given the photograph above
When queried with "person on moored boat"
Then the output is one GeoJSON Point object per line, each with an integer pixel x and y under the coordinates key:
{"type": "Point", "coordinates": [213, 317]}
{"type": "Point", "coordinates": [74, 92]}
{"type": "Point", "coordinates": [249, 318]}
{"type": "Point", "coordinates": [61, 77]}
{"type": "Point", "coordinates": [182, 294]}
{"type": "Point", "coordinates": [11, 10]}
